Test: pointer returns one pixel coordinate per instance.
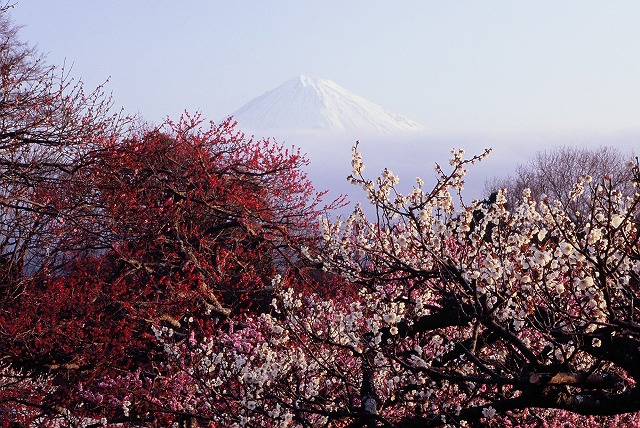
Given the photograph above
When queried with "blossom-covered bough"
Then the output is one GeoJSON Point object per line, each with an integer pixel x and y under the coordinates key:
{"type": "Point", "coordinates": [448, 314]}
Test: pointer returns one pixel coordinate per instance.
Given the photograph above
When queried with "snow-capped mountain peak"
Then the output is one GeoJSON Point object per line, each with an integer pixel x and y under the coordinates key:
{"type": "Point", "coordinates": [308, 103]}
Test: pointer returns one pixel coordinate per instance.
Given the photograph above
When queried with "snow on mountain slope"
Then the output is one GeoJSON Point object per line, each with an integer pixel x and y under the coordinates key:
{"type": "Point", "coordinates": [307, 103]}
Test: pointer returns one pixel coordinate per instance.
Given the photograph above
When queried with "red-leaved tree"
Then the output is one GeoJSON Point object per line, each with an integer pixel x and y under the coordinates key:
{"type": "Point", "coordinates": [181, 227]}
{"type": "Point", "coordinates": [108, 233]}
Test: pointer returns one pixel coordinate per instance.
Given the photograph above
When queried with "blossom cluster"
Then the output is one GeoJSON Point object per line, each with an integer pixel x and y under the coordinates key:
{"type": "Point", "coordinates": [451, 304]}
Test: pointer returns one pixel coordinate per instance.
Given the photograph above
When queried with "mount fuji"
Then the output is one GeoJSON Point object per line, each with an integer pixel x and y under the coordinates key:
{"type": "Point", "coordinates": [308, 103]}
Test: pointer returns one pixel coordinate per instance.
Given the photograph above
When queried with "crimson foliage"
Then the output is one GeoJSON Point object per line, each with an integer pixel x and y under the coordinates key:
{"type": "Point", "coordinates": [181, 227]}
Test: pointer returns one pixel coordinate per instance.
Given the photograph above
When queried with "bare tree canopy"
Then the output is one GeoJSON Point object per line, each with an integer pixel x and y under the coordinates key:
{"type": "Point", "coordinates": [554, 174]}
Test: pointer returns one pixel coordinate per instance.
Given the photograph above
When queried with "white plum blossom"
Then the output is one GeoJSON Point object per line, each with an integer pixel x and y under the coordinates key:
{"type": "Point", "coordinates": [425, 215]}
{"type": "Point", "coordinates": [566, 248]}
{"type": "Point", "coordinates": [594, 236]}
{"type": "Point", "coordinates": [489, 412]}
{"type": "Point", "coordinates": [616, 221]}
{"type": "Point", "coordinates": [472, 295]}
{"type": "Point", "coordinates": [542, 257]}
{"type": "Point", "coordinates": [584, 283]}
{"type": "Point", "coordinates": [390, 318]}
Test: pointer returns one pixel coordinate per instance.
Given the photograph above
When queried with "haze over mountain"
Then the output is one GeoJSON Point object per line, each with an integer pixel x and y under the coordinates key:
{"type": "Point", "coordinates": [324, 120]}
{"type": "Point", "coordinates": [308, 103]}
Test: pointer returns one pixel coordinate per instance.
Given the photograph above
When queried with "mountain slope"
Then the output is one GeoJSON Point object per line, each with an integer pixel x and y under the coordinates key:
{"type": "Point", "coordinates": [307, 103]}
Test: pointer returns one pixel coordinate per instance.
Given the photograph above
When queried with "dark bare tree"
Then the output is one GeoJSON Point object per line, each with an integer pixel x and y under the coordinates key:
{"type": "Point", "coordinates": [554, 173]}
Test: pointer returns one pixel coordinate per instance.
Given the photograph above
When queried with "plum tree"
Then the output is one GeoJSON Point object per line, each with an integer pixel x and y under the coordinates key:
{"type": "Point", "coordinates": [109, 229]}
{"type": "Point", "coordinates": [517, 317]}
{"type": "Point", "coordinates": [181, 228]}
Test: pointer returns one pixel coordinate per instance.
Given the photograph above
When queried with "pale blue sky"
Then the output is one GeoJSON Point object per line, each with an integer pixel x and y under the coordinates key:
{"type": "Point", "coordinates": [456, 67]}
